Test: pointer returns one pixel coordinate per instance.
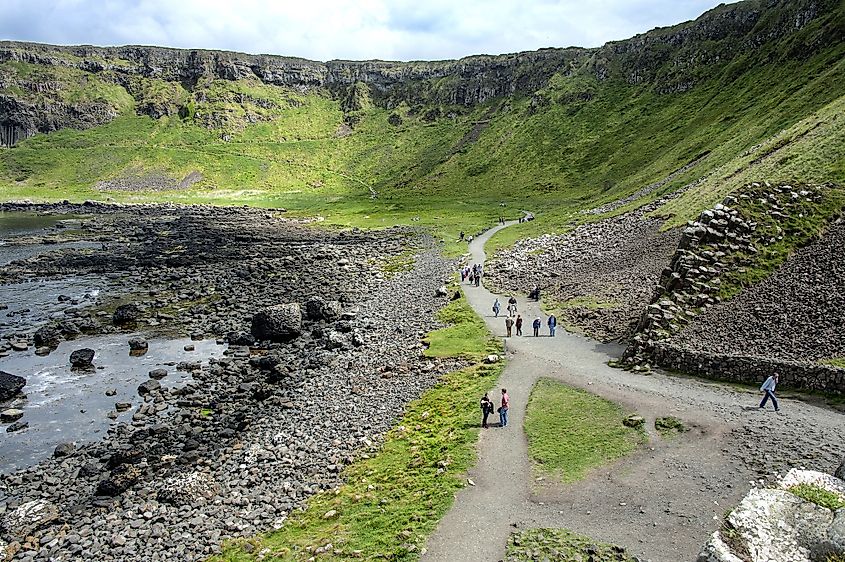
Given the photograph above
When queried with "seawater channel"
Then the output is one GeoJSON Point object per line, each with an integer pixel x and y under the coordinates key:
{"type": "Point", "coordinates": [59, 404]}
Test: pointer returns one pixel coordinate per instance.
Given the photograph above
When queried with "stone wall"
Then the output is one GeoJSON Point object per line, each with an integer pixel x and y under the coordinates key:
{"type": "Point", "coordinates": [751, 370]}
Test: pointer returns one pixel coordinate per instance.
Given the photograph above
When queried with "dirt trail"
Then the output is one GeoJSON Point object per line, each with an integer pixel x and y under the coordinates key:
{"type": "Point", "coordinates": [662, 502]}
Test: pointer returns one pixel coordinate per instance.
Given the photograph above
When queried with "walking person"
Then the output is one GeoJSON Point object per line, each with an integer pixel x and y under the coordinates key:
{"type": "Point", "coordinates": [769, 389]}
{"type": "Point", "coordinates": [496, 308]}
{"type": "Point", "coordinates": [503, 409]}
{"type": "Point", "coordinates": [509, 325]}
{"type": "Point", "coordinates": [552, 322]}
{"type": "Point", "coordinates": [537, 325]}
{"type": "Point", "coordinates": [512, 306]}
{"type": "Point", "coordinates": [486, 409]}
{"type": "Point", "coordinates": [518, 325]}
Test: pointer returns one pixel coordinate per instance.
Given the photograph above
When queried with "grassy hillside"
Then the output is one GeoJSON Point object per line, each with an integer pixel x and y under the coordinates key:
{"type": "Point", "coordinates": [771, 112]}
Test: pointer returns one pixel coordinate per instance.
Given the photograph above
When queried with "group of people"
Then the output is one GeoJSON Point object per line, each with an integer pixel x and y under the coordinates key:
{"type": "Point", "coordinates": [472, 274]}
{"type": "Point", "coordinates": [487, 409]}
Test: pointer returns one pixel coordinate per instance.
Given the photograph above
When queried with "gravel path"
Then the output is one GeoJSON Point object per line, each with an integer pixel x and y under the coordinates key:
{"type": "Point", "coordinates": [662, 502]}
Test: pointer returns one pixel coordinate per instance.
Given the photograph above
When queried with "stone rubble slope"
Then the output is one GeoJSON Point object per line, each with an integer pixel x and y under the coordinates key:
{"type": "Point", "coordinates": [613, 262]}
{"type": "Point", "coordinates": [794, 314]}
{"type": "Point", "coordinates": [775, 524]}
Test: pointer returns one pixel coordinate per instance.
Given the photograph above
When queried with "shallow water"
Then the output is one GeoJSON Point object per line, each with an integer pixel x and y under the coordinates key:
{"type": "Point", "coordinates": [17, 224]}
{"type": "Point", "coordinates": [62, 405]}
{"type": "Point", "coordinates": [33, 303]}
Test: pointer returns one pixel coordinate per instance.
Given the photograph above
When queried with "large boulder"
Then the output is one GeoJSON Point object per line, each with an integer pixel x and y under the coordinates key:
{"type": "Point", "coordinates": [187, 489]}
{"type": "Point", "coordinates": [840, 472]}
{"type": "Point", "coordinates": [82, 358]}
{"type": "Point", "coordinates": [279, 323]}
{"type": "Point", "coordinates": [126, 314]}
{"type": "Point", "coordinates": [10, 385]}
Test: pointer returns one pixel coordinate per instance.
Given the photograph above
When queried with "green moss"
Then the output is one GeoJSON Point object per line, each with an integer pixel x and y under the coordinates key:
{"type": "Point", "coordinates": [819, 496]}
{"type": "Point", "coordinates": [571, 431]}
{"type": "Point", "coordinates": [560, 545]}
{"type": "Point", "coordinates": [669, 426]}
{"type": "Point", "coordinates": [834, 362]}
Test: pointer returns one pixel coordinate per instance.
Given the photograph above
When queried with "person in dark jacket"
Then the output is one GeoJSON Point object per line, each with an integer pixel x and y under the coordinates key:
{"type": "Point", "coordinates": [552, 322]}
{"type": "Point", "coordinates": [518, 325]}
{"type": "Point", "coordinates": [536, 326]}
{"type": "Point", "coordinates": [486, 409]}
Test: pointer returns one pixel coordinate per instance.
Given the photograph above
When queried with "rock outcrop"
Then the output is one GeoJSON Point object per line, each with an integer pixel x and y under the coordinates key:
{"type": "Point", "coordinates": [10, 385]}
{"type": "Point", "coordinates": [671, 60]}
{"type": "Point", "coordinates": [780, 524]}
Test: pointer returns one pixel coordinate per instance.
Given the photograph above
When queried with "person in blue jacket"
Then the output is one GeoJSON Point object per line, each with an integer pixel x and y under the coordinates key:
{"type": "Point", "coordinates": [769, 389]}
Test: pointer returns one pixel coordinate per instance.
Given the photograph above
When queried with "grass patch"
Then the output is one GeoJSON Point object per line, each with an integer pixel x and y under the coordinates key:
{"type": "Point", "coordinates": [834, 362]}
{"type": "Point", "coordinates": [571, 431]}
{"type": "Point", "coordinates": [669, 426]}
{"type": "Point", "coordinates": [398, 264]}
{"type": "Point", "coordinates": [561, 545]}
{"type": "Point", "coordinates": [391, 501]}
{"type": "Point", "coordinates": [465, 335]}
{"type": "Point", "coordinates": [819, 496]}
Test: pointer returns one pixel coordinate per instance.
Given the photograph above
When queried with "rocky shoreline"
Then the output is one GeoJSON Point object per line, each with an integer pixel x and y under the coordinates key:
{"type": "Point", "coordinates": [257, 431]}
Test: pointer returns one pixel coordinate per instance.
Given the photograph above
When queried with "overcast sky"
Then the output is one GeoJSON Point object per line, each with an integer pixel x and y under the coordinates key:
{"type": "Point", "coordinates": [343, 29]}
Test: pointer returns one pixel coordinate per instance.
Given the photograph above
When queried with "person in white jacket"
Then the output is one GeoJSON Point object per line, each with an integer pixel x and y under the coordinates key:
{"type": "Point", "coordinates": [769, 389]}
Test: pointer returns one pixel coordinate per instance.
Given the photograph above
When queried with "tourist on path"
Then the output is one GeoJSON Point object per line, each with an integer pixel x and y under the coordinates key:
{"type": "Point", "coordinates": [537, 325]}
{"type": "Point", "coordinates": [509, 325]}
{"type": "Point", "coordinates": [552, 322]}
{"type": "Point", "coordinates": [512, 306]}
{"type": "Point", "coordinates": [503, 410]}
{"type": "Point", "coordinates": [496, 308]}
{"type": "Point", "coordinates": [518, 325]}
{"type": "Point", "coordinates": [769, 389]}
{"type": "Point", "coordinates": [486, 409]}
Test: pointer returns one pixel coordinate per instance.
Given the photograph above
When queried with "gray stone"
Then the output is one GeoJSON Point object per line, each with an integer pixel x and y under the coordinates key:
{"type": "Point", "coordinates": [279, 323]}
{"type": "Point", "coordinates": [82, 358]}
{"type": "Point", "coordinates": [10, 415]}
{"type": "Point", "coordinates": [10, 385]}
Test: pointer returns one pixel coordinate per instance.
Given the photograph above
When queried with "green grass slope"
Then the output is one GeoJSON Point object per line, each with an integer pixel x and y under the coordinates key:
{"type": "Point", "coordinates": [773, 111]}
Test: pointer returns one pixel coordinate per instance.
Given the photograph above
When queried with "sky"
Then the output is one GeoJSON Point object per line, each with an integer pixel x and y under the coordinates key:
{"type": "Point", "coordinates": [343, 29]}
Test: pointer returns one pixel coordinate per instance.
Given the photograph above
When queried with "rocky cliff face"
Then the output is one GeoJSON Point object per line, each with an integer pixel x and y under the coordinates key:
{"type": "Point", "coordinates": [669, 60]}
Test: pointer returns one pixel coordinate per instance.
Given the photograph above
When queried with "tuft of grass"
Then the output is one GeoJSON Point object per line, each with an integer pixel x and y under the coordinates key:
{"type": "Point", "coordinates": [668, 426]}
{"type": "Point", "coordinates": [465, 334]}
{"type": "Point", "coordinates": [392, 500]}
{"type": "Point", "coordinates": [571, 431]}
{"type": "Point", "coordinates": [819, 496]}
{"type": "Point", "coordinates": [561, 545]}
{"type": "Point", "coordinates": [835, 362]}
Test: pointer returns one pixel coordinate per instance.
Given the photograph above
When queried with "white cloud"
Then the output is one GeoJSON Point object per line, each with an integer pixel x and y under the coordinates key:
{"type": "Point", "coordinates": [348, 29]}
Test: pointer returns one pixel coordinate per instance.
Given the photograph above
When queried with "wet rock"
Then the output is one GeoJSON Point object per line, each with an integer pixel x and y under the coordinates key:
{"type": "Point", "coordinates": [64, 450]}
{"type": "Point", "coordinates": [17, 426]}
{"type": "Point", "coordinates": [10, 415]}
{"type": "Point", "coordinates": [138, 344]}
{"type": "Point", "coordinates": [278, 323]}
{"type": "Point", "coordinates": [10, 385]}
{"type": "Point", "coordinates": [126, 314]}
{"type": "Point", "coordinates": [82, 358]}
{"type": "Point", "coordinates": [149, 386]}
{"type": "Point", "coordinates": [47, 336]}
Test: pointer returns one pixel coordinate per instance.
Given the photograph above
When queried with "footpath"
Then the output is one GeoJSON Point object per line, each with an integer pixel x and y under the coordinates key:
{"type": "Point", "coordinates": [662, 502]}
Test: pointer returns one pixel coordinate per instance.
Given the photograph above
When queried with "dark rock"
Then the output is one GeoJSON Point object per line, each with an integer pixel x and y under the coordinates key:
{"type": "Point", "coordinates": [840, 471]}
{"type": "Point", "coordinates": [17, 426]}
{"type": "Point", "coordinates": [82, 358]}
{"type": "Point", "coordinates": [149, 386]}
{"type": "Point", "coordinates": [158, 374]}
{"type": "Point", "coordinates": [10, 385]}
{"type": "Point", "coordinates": [47, 336]}
{"type": "Point", "coordinates": [128, 455]}
{"type": "Point", "coordinates": [126, 314]}
{"type": "Point", "coordinates": [119, 481]}
{"type": "Point", "coordinates": [240, 338]}
{"type": "Point", "coordinates": [278, 323]}
{"type": "Point", "coordinates": [138, 344]}
{"type": "Point", "coordinates": [316, 308]}
{"type": "Point", "coordinates": [89, 470]}
{"type": "Point", "coordinates": [63, 450]}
